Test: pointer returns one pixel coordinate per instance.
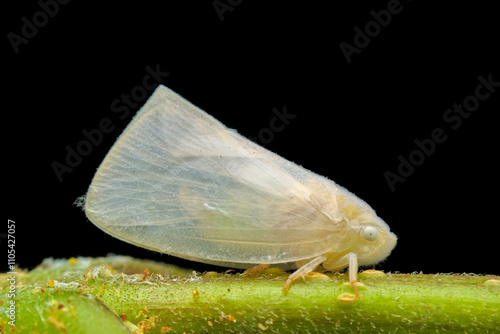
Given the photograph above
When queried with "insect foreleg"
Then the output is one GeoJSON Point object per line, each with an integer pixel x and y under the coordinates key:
{"type": "Point", "coordinates": [349, 260]}
{"type": "Point", "coordinates": [353, 272]}
{"type": "Point", "coordinates": [353, 267]}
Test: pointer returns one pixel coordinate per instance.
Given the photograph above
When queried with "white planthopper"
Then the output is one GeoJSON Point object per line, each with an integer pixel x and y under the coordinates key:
{"type": "Point", "coordinates": [177, 181]}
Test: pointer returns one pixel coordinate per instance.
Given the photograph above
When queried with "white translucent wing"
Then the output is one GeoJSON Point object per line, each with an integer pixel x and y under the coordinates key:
{"type": "Point", "coordinates": [179, 182]}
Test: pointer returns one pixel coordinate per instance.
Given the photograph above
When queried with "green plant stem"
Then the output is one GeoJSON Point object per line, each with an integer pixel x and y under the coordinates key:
{"type": "Point", "coordinates": [168, 299]}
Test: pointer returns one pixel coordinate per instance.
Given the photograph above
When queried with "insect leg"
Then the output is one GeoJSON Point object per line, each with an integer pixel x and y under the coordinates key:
{"type": "Point", "coordinates": [257, 269]}
{"type": "Point", "coordinates": [353, 272]}
{"type": "Point", "coordinates": [349, 260]}
{"type": "Point", "coordinates": [353, 267]}
{"type": "Point", "coordinates": [307, 268]}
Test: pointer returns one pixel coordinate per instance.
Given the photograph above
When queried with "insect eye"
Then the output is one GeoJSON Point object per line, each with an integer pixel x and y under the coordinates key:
{"type": "Point", "coordinates": [370, 233]}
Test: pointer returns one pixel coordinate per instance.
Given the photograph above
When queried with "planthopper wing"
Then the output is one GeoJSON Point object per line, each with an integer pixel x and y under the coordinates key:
{"type": "Point", "coordinates": [179, 182]}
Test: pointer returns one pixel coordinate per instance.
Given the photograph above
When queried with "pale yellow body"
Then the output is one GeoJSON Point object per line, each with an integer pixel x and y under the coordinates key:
{"type": "Point", "coordinates": [179, 182]}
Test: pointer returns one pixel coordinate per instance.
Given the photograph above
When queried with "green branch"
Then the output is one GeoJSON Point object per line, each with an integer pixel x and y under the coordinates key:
{"type": "Point", "coordinates": [117, 295]}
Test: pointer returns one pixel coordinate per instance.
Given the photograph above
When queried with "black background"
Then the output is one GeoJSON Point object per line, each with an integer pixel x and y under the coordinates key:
{"type": "Point", "coordinates": [353, 120]}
